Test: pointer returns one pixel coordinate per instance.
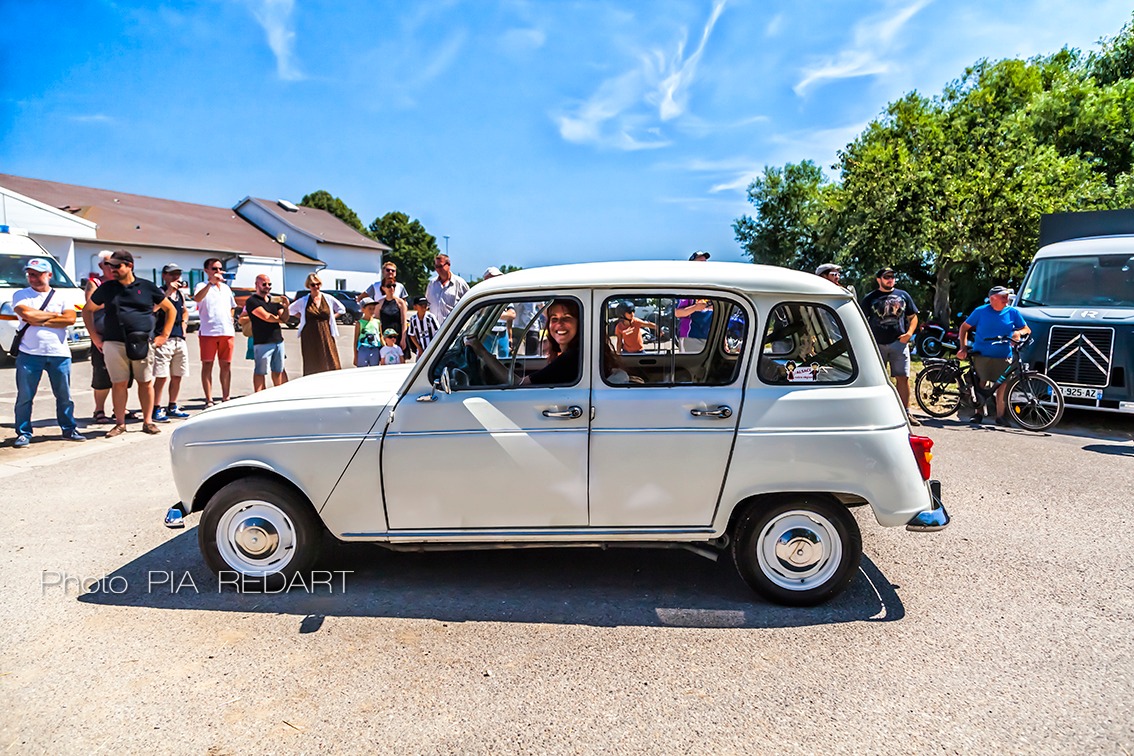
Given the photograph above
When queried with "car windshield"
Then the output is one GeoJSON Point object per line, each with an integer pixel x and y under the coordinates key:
{"type": "Point", "coordinates": [1087, 280]}
{"type": "Point", "coordinates": [12, 272]}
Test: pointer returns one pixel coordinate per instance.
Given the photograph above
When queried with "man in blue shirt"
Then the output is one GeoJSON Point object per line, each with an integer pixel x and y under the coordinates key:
{"type": "Point", "coordinates": [992, 321]}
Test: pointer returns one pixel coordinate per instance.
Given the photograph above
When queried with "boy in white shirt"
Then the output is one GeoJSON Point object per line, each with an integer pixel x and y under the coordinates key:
{"type": "Point", "coordinates": [391, 354]}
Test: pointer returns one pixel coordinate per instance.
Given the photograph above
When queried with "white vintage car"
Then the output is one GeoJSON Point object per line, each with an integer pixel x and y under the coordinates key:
{"type": "Point", "coordinates": [752, 418]}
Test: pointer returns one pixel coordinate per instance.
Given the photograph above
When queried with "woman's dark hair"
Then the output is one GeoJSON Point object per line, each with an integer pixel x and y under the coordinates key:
{"type": "Point", "coordinates": [572, 307]}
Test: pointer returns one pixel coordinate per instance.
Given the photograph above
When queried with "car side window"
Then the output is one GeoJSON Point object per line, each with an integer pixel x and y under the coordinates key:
{"type": "Point", "coordinates": [672, 339]}
{"type": "Point", "coordinates": [805, 343]}
{"type": "Point", "coordinates": [505, 344]}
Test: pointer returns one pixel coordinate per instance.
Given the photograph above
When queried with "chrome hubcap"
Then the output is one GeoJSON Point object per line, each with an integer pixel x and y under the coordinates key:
{"type": "Point", "coordinates": [256, 537]}
{"type": "Point", "coordinates": [799, 550]}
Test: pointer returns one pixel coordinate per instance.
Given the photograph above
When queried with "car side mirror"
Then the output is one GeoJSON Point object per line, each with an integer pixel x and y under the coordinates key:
{"type": "Point", "coordinates": [443, 382]}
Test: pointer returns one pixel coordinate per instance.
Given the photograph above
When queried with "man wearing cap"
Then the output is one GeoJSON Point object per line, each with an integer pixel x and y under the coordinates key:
{"type": "Point", "coordinates": [100, 379]}
{"type": "Point", "coordinates": [171, 359]}
{"type": "Point", "coordinates": [834, 274]}
{"type": "Point", "coordinates": [43, 349]}
{"type": "Point", "coordinates": [130, 303]}
{"type": "Point", "coordinates": [699, 256]}
{"type": "Point", "coordinates": [267, 314]}
{"type": "Point", "coordinates": [989, 322]}
{"type": "Point", "coordinates": [892, 316]}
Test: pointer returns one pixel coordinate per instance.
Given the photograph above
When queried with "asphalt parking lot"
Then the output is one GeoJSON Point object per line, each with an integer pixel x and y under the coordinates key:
{"type": "Point", "coordinates": [1009, 631]}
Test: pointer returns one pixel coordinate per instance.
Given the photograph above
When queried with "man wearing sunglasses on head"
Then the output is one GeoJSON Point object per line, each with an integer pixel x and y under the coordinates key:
{"type": "Point", "coordinates": [892, 316]}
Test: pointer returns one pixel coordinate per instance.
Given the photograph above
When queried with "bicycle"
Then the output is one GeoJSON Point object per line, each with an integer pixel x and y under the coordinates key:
{"type": "Point", "coordinates": [1034, 401]}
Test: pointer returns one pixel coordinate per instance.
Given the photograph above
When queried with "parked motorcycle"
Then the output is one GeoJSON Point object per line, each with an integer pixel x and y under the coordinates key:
{"type": "Point", "coordinates": [934, 340]}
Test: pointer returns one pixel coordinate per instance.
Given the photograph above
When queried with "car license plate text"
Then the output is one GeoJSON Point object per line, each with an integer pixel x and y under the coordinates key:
{"type": "Point", "coordinates": [1078, 392]}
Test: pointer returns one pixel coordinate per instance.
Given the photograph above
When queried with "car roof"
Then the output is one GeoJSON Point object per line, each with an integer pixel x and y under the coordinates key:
{"type": "Point", "coordinates": [1094, 245]}
{"type": "Point", "coordinates": [666, 274]}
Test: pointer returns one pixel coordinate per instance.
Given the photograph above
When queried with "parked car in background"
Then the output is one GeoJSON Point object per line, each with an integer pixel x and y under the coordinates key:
{"type": "Point", "coordinates": [753, 443]}
{"type": "Point", "coordinates": [194, 322]}
{"type": "Point", "coordinates": [350, 317]}
{"type": "Point", "coordinates": [16, 248]}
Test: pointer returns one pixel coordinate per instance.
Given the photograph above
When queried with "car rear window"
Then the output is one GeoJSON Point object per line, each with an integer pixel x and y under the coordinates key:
{"type": "Point", "coordinates": [805, 343]}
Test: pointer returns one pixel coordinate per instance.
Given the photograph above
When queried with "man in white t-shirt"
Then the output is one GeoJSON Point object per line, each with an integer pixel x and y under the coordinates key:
{"type": "Point", "coordinates": [217, 306]}
{"type": "Point", "coordinates": [43, 349]}
{"type": "Point", "coordinates": [444, 291]}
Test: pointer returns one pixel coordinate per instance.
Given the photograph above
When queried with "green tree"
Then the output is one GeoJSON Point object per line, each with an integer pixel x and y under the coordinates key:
{"type": "Point", "coordinates": [789, 227]}
{"type": "Point", "coordinates": [323, 200]}
{"type": "Point", "coordinates": [413, 248]}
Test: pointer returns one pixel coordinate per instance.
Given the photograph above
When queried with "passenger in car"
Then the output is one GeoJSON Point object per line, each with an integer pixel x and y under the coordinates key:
{"type": "Point", "coordinates": [629, 328]}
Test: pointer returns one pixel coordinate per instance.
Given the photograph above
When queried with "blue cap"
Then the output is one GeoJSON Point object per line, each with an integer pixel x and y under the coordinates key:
{"type": "Point", "coordinates": [39, 265]}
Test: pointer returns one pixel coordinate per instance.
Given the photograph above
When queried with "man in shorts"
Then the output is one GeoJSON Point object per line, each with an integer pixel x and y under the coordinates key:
{"type": "Point", "coordinates": [217, 307]}
{"type": "Point", "coordinates": [130, 303]}
{"type": "Point", "coordinates": [892, 316]}
{"type": "Point", "coordinates": [266, 315]}
{"type": "Point", "coordinates": [100, 379]}
{"type": "Point", "coordinates": [989, 322]}
{"type": "Point", "coordinates": [171, 360]}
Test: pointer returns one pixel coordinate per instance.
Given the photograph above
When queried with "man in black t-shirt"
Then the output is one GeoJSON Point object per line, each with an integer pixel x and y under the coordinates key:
{"type": "Point", "coordinates": [130, 304]}
{"type": "Point", "coordinates": [892, 316]}
{"type": "Point", "coordinates": [266, 314]}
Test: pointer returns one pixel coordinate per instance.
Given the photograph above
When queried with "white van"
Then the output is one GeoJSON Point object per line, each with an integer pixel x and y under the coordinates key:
{"type": "Point", "coordinates": [16, 248]}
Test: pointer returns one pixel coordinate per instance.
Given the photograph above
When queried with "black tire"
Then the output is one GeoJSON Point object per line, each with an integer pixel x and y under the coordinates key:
{"type": "Point", "coordinates": [937, 391]}
{"type": "Point", "coordinates": [348, 319]}
{"type": "Point", "coordinates": [257, 507]}
{"type": "Point", "coordinates": [1034, 402]}
{"type": "Point", "coordinates": [769, 537]}
{"type": "Point", "coordinates": [930, 346]}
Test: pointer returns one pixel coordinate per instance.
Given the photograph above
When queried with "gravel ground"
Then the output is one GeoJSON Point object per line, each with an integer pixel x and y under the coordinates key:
{"type": "Point", "coordinates": [1009, 631]}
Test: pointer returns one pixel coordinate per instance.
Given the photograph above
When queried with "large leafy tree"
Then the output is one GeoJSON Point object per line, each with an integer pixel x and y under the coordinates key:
{"type": "Point", "coordinates": [323, 200]}
{"type": "Point", "coordinates": [413, 248]}
{"type": "Point", "coordinates": [790, 225]}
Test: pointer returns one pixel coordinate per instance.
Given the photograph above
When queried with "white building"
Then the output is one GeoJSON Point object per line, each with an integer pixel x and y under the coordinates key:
{"type": "Point", "coordinates": [75, 222]}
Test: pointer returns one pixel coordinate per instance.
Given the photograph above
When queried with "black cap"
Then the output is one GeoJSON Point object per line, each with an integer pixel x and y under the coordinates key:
{"type": "Point", "coordinates": [121, 256]}
{"type": "Point", "coordinates": [700, 255]}
{"type": "Point", "coordinates": [421, 301]}
{"type": "Point", "coordinates": [885, 271]}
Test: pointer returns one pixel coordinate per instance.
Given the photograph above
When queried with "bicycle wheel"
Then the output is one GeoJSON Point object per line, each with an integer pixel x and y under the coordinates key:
{"type": "Point", "coordinates": [937, 391]}
{"type": "Point", "coordinates": [1035, 402]}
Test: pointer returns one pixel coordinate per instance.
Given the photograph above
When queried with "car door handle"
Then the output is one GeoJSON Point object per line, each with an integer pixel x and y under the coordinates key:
{"type": "Point", "coordinates": [571, 413]}
{"type": "Point", "coordinates": [723, 411]}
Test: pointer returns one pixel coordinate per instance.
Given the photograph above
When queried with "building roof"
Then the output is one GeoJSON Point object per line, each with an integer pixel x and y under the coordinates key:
{"type": "Point", "coordinates": [134, 219]}
{"type": "Point", "coordinates": [323, 226]}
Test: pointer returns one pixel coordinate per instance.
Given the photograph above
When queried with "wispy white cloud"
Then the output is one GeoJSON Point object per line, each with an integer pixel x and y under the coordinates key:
{"type": "Point", "coordinates": [868, 55]}
{"type": "Point", "coordinates": [627, 110]}
{"type": "Point", "coordinates": [775, 26]}
{"type": "Point", "coordinates": [521, 40]}
{"type": "Point", "coordinates": [443, 57]}
{"type": "Point", "coordinates": [275, 16]}
{"type": "Point", "coordinates": [93, 118]}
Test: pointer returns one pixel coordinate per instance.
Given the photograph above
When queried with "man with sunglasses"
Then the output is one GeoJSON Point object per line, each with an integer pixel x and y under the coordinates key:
{"type": "Point", "coordinates": [444, 291]}
{"type": "Point", "coordinates": [892, 316]}
{"type": "Point", "coordinates": [94, 319]}
{"type": "Point", "coordinates": [217, 307]}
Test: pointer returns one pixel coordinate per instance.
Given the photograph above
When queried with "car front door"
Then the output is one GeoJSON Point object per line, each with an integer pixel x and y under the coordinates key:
{"type": "Point", "coordinates": [665, 407]}
{"type": "Point", "coordinates": [492, 454]}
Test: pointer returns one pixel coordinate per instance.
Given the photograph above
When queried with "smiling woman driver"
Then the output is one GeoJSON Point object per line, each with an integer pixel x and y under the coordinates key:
{"type": "Point", "coordinates": [563, 348]}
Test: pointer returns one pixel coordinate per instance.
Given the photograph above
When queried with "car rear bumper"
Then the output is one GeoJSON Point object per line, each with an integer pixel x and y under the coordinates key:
{"type": "Point", "coordinates": [936, 518]}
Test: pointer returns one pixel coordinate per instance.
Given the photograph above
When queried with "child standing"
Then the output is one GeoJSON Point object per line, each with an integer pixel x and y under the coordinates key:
{"type": "Point", "coordinates": [367, 342]}
{"type": "Point", "coordinates": [629, 328]}
{"type": "Point", "coordinates": [422, 326]}
{"type": "Point", "coordinates": [391, 354]}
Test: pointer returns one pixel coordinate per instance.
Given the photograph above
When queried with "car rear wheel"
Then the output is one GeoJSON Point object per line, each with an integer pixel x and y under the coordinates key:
{"type": "Point", "coordinates": [800, 551]}
{"type": "Point", "coordinates": [261, 530]}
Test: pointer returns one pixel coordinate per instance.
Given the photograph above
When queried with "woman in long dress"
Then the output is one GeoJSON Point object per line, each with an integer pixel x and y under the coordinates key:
{"type": "Point", "coordinates": [317, 329]}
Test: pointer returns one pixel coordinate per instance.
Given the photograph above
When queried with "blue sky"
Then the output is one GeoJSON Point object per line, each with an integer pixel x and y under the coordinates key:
{"type": "Point", "coordinates": [529, 132]}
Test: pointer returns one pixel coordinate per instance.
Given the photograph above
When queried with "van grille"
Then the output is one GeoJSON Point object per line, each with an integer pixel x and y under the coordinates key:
{"type": "Point", "coordinates": [1080, 356]}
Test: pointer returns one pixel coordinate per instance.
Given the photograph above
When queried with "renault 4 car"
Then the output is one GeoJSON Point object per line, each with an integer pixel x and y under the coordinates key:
{"type": "Point", "coordinates": [759, 416]}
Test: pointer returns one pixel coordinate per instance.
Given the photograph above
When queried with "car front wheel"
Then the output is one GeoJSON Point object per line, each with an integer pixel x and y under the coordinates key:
{"type": "Point", "coordinates": [800, 551]}
{"type": "Point", "coordinates": [258, 531]}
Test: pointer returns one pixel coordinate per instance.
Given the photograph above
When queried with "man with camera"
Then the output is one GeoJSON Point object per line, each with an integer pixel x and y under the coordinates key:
{"type": "Point", "coordinates": [130, 304]}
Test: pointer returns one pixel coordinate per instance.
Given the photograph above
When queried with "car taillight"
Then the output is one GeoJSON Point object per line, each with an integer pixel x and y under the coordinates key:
{"type": "Point", "coordinates": [921, 446]}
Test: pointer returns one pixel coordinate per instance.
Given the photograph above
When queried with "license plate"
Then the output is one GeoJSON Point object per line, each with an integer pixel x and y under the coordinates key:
{"type": "Point", "coordinates": [1078, 392]}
